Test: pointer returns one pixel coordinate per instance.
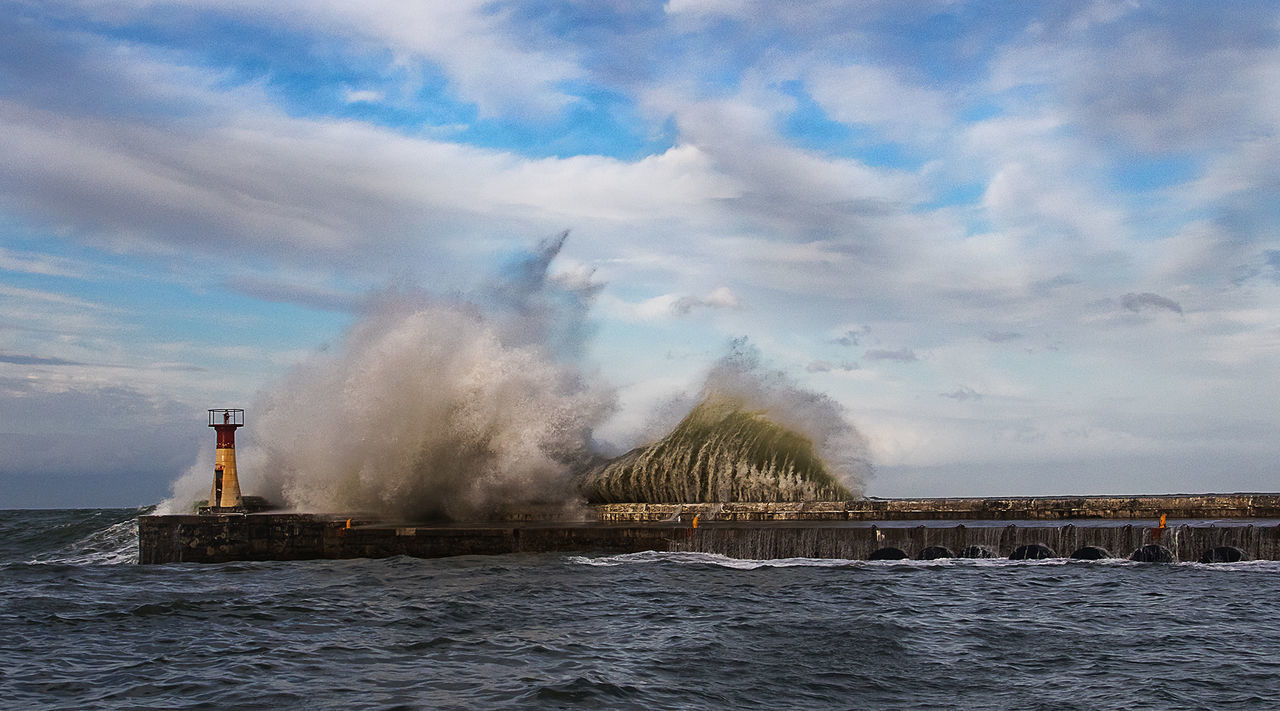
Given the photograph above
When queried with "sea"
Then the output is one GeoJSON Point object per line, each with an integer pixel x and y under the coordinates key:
{"type": "Point", "coordinates": [83, 626]}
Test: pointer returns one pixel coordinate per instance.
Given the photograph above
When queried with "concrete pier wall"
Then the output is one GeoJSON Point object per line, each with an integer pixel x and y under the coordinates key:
{"type": "Point", "coordinates": [231, 537]}
{"type": "Point", "coordinates": [1026, 508]}
{"type": "Point", "coordinates": [1186, 543]}
{"type": "Point", "coordinates": [228, 537]}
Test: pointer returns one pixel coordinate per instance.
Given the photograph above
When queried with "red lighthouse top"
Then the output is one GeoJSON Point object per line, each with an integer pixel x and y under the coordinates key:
{"type": "Point", "coordinates": [226, 418]}
{"type": "Point", "coordinates": [225, 422]}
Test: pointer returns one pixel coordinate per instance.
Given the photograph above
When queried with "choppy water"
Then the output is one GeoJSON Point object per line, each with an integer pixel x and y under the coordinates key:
{"type": "Point", "coordinates": [82, 627]}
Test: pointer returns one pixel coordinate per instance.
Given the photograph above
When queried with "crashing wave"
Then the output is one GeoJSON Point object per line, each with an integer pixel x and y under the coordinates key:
{"type": "Point", "coordinates": [720, 451]}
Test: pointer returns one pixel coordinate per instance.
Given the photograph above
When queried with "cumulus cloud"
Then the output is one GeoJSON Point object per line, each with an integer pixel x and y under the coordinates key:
{"type": "Point", "coordinates": [859, 94]}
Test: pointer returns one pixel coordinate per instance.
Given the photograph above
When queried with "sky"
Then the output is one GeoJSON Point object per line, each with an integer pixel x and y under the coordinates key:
{"type": "Point", "coordinates": [1031, 248]}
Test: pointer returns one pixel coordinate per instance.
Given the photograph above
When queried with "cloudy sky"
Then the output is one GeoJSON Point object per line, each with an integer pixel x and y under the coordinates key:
{"type": "Point", "coordinates": [1031, 247]}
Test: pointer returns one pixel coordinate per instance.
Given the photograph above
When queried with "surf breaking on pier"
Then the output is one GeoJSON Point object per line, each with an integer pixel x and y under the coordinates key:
{"type": "Point", "coordinates": [455, 426]}
{"type": "Point", "coordinates": [435, 408]}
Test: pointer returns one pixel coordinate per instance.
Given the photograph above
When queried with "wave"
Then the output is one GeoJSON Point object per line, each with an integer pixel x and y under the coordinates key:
{"type": "Point", "coordinates": [71, 536]}
{"type": "Point", "coordinates": [721, 561]}
{"type": "Point", "coordinates": [719, 452]}
{"type": "Point", "coordinates": [454, 408]}
{"type": "Point", "coordinates": [715, 559]}
{"type": "Point", "coordinates": [754, 435]}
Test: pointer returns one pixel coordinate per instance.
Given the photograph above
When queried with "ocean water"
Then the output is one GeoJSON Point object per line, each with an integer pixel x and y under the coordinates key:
{"type": "Point", "coordinates": [82, 626]}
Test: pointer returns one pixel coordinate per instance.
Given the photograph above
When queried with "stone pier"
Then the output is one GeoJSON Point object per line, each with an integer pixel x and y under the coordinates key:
{"type": "Point", "coordinates": [1237, 526]}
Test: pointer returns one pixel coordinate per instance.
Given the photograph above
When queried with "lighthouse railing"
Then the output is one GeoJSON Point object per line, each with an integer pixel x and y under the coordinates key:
{"type": "Point", "coordinates": [226, 416]}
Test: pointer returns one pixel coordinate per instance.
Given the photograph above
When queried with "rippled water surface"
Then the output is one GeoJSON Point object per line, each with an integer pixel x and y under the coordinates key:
{"type": "Point", "coordinates": [83, 627]}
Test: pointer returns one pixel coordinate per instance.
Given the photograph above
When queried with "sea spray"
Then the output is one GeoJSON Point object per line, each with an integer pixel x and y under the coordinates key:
{"type": "Point", "coordinates": [433, 407]}
{"type": "Point", "coordinates": [427, 413]}
{"type": "Point", "coordinates": [755, 435]}
{"type": "Point", "coordinates": [452, 408]}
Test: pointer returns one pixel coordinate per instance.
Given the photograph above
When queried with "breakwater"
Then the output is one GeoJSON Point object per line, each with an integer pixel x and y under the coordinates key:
{"type": "Point", "coordinates": [1018, 508]}
{"type": "Point", "coordinates": [759, 531]}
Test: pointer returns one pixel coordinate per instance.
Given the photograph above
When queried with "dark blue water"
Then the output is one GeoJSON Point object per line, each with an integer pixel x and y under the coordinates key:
{"type": "Point", "coordinates": [82, 627]}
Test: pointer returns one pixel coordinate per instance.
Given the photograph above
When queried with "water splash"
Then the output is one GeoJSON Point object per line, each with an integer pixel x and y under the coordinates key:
{"type": "Point", "coordinates": [434, 408]}
{"type": "Point", "coordinates": [719, 452]}
{"type": "Point", "coordinates": [426, 412]}
{"type": "Point", "coordinates": [754, 436]}
{"type": "Point", "coordinates": [452, 408]}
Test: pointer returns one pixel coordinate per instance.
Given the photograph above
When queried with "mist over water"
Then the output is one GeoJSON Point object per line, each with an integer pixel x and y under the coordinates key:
{"type": "Point", "coordinates": [451, 408]}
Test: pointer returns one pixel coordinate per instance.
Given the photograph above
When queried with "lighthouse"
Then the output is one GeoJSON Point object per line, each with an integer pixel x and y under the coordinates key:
{"type": "Point", "coordinates": [225, 494]}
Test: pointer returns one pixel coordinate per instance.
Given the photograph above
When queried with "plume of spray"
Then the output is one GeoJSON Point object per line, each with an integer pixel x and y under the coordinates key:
{"type": "Point", "coordinates": [452, 408]}
{"type": "Point", "coordinates": [751, 433]}
{"type": "Point", "coordinates": [742, 376]}
{"type": "Point", "coordinates": [433, 408]}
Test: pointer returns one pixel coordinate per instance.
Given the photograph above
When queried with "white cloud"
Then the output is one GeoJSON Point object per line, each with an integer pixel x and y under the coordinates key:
{"type": "Point", "coordinates": [35, 263]}
{"type": "Point", "coordinates": [39, 295]}
{"type": "Point", "coordinates": [701, 8]}
{"type": "Point", "coordinates": [859, 94]}
{"type": "Point", "coordinates": [668, 306]}
{"type": "Point", "coordinates": [362, 96]}
{"type": "Point", "coordinates": [491, 60]}
{"type": "Point", "coordinates": [739, 137]}
{"type": "Point", "coordinates": [722, 297]}
{"type": "Point", "coordinates": [297, 188]}
{"type": "Point", "coordinates": [1051, 295]}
